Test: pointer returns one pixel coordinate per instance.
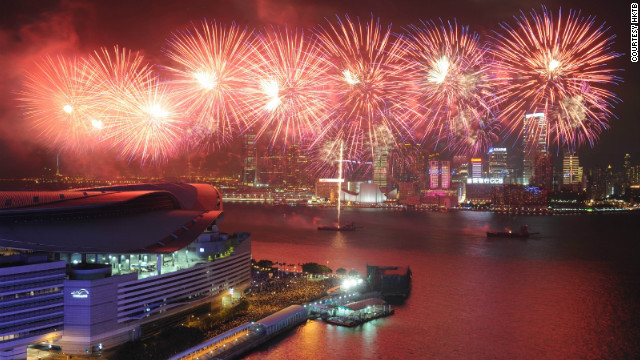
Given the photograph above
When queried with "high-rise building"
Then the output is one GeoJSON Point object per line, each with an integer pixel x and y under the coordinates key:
{"type": "Point", "coordinates": [249, 159]}
{"type": "Point", "coordinates": [271, 165]}
{"type": "Point", "coordinates": [571, 171]}
{"type": "Point", "coordinates": [434, 173]}
{"type": "Point", "coordinates": [461, 166]}
{"type": "Point", "coordinates": [460, 173]}
{"type": "Point", "coordinates": [408, 163]}
{"type": "Point", "coordinates": [627, 170]}
{"type": "Point", "coordinates": [381, 167]}
{"type": "Point", "coordinates": [476, 168]}
{"type": "Point", "coordinates": [534, 143]}
{"type": "Point", "coordinates": [497, 162]}
{"type": "Point", "coordinates": [609, 181]}
{"type": "Point", "coordinates": [439, 174]}
{"type": "Point", "coordinates": [634, 177]}
{"type": "Point", "coordinates": [296, 166]}
{"type": "Point", "coordinates": [543, 172]}
{"type": "Point", "coordinates": [445, 174]}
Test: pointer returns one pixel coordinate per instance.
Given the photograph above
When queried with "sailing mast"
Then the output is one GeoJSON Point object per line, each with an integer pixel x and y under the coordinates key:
{"type": "Point", "coordinates": [339, 183]}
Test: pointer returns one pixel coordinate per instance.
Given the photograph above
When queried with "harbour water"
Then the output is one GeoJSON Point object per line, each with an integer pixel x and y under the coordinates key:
{"type": "Point", "coordinates": [571, 292]}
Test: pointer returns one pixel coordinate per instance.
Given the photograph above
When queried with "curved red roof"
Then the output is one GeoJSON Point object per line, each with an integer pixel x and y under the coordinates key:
{"type": "Point", "coordinates": [147, 218]}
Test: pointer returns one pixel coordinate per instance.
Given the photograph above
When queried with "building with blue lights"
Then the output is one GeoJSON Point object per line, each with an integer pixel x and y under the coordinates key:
{"type": "Point", "coordinates": [90, 269]}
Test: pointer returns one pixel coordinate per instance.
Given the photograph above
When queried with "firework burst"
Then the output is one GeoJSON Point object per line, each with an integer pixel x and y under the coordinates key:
{"type": "Point", "coordinates": [475, 137]}
{"type": "Point", "coordinates": [59, 99]}
{"type": "Point", "coordinates": [291, 86]}
{"type": "Point", "coordinates": [366, 84]}
{"type": "Point", "coordinates": [448, 84]}
{"type": "Point", "coordinates": [211, 78]}
{"type": "Point", "coordinates": [146, 124]}
{"type": "Point", "coordinates": [116, 72]}
{"type": "Point", "coordinates": [558, 67]}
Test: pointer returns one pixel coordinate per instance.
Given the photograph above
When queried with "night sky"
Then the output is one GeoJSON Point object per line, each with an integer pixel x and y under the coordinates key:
{"type": "Point", "coordinates": [30, 29]}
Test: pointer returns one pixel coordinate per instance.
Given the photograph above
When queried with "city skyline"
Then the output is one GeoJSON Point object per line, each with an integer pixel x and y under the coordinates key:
{"type": "Point", "coordinates": [274, 178]}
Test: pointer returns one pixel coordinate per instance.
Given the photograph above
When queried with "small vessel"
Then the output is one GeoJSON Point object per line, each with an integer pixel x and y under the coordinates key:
{"type": "Point", "coordinates": [347, 227]}
{"type": "Point", "coordinates": [523, 233]}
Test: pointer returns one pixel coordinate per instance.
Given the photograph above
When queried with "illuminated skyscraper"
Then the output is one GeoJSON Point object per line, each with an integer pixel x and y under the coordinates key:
{"type": "Point", "coordinates": [434, 174]}
{"type": "Point", "coordinates": [497, 162]}
{"type": "Point", "coordinates": [476, 168]}
{"type": "Point", "coordinates": [571, 171]}
{"type": "Point", "coordinates": [439, 174]}
{"type": "Point", "coordinates": [627, 171]}
{"type": "Point", "coordinates": [461, 167]}
{"type": "Point", "coordinates": [534, 144]}
{"type": "Point", "coordinates": [381, 167]}
{"type": "Point", "coordinates": [445, 174]}
{"type": "Point", "coordinates": [250, 160]}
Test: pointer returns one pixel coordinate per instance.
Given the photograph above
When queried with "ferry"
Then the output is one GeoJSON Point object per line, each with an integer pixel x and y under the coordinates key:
{"type": "Point", "coordinates": [523, 233]}
{"type": "Point", "coordinates": [347, 227]}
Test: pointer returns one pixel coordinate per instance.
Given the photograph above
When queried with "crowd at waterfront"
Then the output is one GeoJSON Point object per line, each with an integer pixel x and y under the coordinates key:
{"type": "Point", "coordinates": [267, 295]}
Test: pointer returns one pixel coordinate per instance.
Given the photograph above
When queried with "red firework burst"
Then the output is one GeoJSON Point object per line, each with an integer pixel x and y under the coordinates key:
{"type": "Point", "coordinates": [559, 67]}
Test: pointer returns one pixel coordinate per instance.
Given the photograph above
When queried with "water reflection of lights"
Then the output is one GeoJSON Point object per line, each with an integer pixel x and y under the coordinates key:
{"type": "Point", "coordinates": [370, 334]}
{"type": "Point", "coordinates": [338, 240]}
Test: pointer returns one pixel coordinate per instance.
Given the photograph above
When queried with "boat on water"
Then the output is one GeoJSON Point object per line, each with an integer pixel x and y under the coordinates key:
{"type": "Point", "coordinates": [347, 227]}
{"type": "Point", "coordinates": [523, 233]}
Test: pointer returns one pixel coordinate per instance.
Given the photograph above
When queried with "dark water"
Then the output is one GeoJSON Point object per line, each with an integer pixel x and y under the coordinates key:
{"type": "Point", "coordinates": [572, 292]}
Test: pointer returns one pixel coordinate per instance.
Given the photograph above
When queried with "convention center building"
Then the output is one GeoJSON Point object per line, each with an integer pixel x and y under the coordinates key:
{"type": "Point", "coordinates": [86, 270]}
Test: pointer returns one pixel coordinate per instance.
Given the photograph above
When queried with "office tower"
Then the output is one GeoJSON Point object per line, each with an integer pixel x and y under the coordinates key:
{"type": "Point", "coordinates": [543, 172]}
{"type": "Point", "coordinates": [609, 181]}
{"type": "Point", "coordinates": [249, 159]}
{"type": "Point", "coordinates": [534, 143]}
{"type": "Point", "coordinates": [497, 162]}
{"type": "Point", "coordinates": [296, 173]}
{"type": "Point", "coordinates": [381, 167]}
{"type": "Point", "coordinates": [272, 165]}
{"type": "Point", "coordinates": [434, 182]}
{"type": "Point", "coordinates": [627, 170]}
{"type": "Point", "coordinates": [461, 166]}
{"type": "Point", "coordinates": [408, 163]}
{"type": "Point", "coordinates": [634, 177]}
{"type": "Point", "coordinates": [445, 174]}
{"type": "Point", "coordinates": [439, 174]}
{"type": "Point", "coordinates": [476, 168]}
{"type": "Point", "coordinates": [571, 171]}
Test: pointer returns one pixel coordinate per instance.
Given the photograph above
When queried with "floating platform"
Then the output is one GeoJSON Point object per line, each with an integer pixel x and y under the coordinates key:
{"type": "Point", "coordinates": [356, 313]}
{"type": "Point", "coordinates": [336, 320]}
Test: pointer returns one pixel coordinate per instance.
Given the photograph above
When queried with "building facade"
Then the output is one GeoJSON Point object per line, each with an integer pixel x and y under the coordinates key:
{"type": "Point", "coordinates": [497, 162]}
{"type": "Point", "coordinates": [571, 172]}
{"type": "Point", "coordinates": [91, 269]}
{"type": "Point", "coordinates": [534, 144]}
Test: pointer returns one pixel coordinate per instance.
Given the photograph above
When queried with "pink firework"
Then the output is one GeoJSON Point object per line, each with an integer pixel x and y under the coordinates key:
{"type": "Point", "coordinates": [137, 114]}
{"type": "Point", "coordinates": [290, 81]}
{"type": "Point", "coordinates": [448, 84]}
{"type": "Point", "coordinates": [476, 138]}
{"type": "Point", "coordinates": [558, 67]}
{"type": "Point", "coordinates": [59, 99]}
{"type": "Point", "coordinates": [145, 124]}
{"type": "Point", "coordinates": [211, 78]}
{"type": "Point", "coordinates": [118, 71]}
{"type": "Point", "coordinates": [367, 86]}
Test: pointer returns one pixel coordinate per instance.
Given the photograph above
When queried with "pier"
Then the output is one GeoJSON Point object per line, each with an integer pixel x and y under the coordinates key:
{"type": "Point", "coordinates": [246, 337]}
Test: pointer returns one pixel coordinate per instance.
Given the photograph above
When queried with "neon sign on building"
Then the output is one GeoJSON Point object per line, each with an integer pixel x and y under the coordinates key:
{"type": "Point", "coordinates": [492, 181]}
{"type": "Point", "coordinates": [80, 294]}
